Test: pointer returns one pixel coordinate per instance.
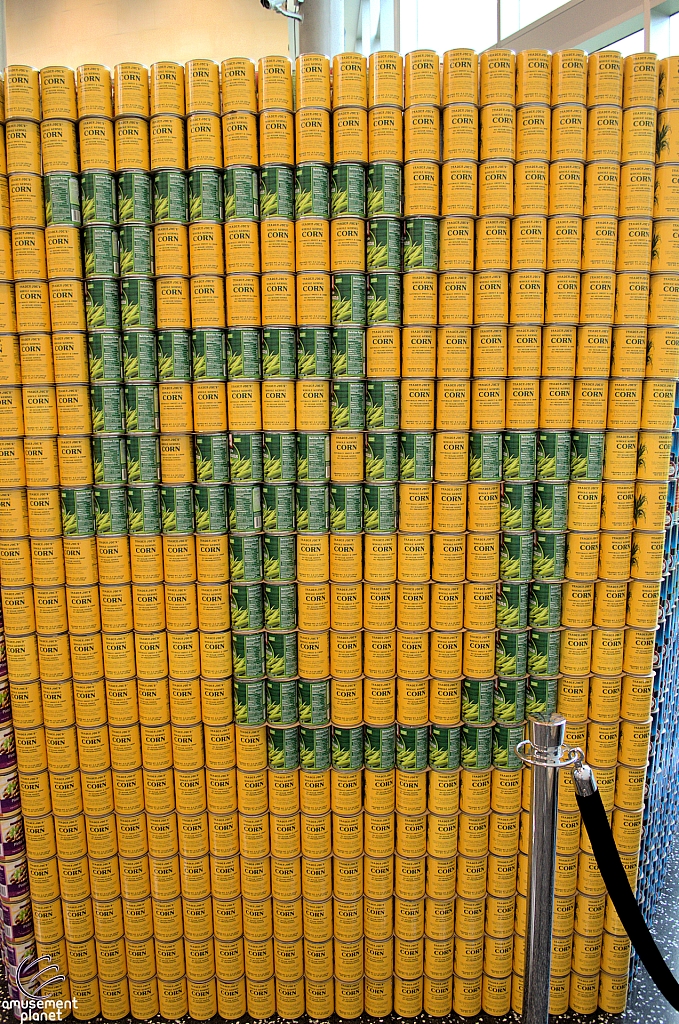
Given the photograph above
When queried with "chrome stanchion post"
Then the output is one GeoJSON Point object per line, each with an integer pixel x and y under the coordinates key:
{"type": "Point", "coordinates": [546, 755]}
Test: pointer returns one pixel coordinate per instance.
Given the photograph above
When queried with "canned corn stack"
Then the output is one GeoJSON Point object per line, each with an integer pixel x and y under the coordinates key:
{"type": "Point", "coordinates": [433, 507]}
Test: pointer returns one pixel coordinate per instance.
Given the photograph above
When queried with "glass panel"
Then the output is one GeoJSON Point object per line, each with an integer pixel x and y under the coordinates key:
{"type": "Point", "coordinates": [428, 24]}
{"type": "Point", "coordinates": [516, 14]}
{"type": "Point", "coordinates": [628, 45]}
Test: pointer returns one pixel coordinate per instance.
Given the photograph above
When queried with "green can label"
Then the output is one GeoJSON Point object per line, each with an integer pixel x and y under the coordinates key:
{"type": "Point", "coordinates": [417, 456]}
{"type": "Point", "coordinates": [212, 458]}
{"type": "Point", "coordinates": [277, 192]}
{"type": "Point", "coordinates": [347, 405]}
{"type": "Point", "coordinates": [281, 695]}
{"type": "Point", "coordinates": [348, 196]}
{"type": "Point", "coordinates": [384, 298]}
{"type": "Point", "coordinates": [280, 457]}
{"type": "Point", "coordinates": [208, 349]}
{"type": "Point", "coordinates": [543, 652]}
{"type": "Point", "coordinates": [511, 605]}
{"type": "Point", "coordinates": [382, 408]}
{"type": "Point", "coordinates": [249, 696]}
{"type": "Point", "coordinates": [284, 749]}
{"type": "Point", "coordinates": [278, 508]}
{"type": "Point", "coordinates": [241, 193]}
{"type": "Point", "coordinates": [143, 510]}
{"type": "Point", "coordinates": [314, 748]}
{"type": "Point", "coordinates": [549, 556]}
{"type": "Point", "coordinates": [505, 740]}
{"type": "Point", "coordinates": [349, 299]}
{"type": "Point", "coordinates": [248, 659]}
{"type": "Point", "coordinates": [102, 305]}
{"type": "Point", "coordinates": [551, 506]}
{"type": "Point", "coordinates": [541, 696]}
{"type": "Point", "coordinates": [244, 503]}
{"type": "Point", "coordinates": [379, 747]}
{"type": "Point", "coordinates": [421, 244]}
{"type": "Point", "coordinates": [105, 352]}
{"type": "Point", "coordinates": [243, 354]}
{"type": "Point", "coordinates": [380, 508]}
{"type": "Point", "coordinates": [587, 455]}
{"type": "Point", "coordinates": [509, 702]}
{"type": "Point", "coordinates": [247, 607]}
{"type": "Point", "coordinates": [279, 353]}
{"type": "Point", "coordinates": [516, 506]}
{"type": "Point", "coordinates": [110, 510]}
{"type": "Point", "coordinates": [176, 507]}
{"type": "Point", "coordinates": [476, 744]}
{"type": "Point", "coordinates": [348, 352]}
{"type": "Point", "coordinates": [516, 556]}
{"type": "Point", "coordinates": [170, 196]}
{"type": "Point", "coordinates": [174, 355]}
{"type": "Point", "coordinates": [62, 199]}
{"type": "Point", "coordinates": [312, 191]}
{"type": "Point", "coordinates": [245, 456]}
{"type": "Point", "coordinates": [412, 747]}
{"type": "Point", "coordinates": [135, 197]}
{"type": "Point", "coordinates": [138, 302]}
{"type": "Point", "coordinates": [77, 511]}
{"type": "Point", "coordinates": [280, 606]}
{"type": "Point", "coordinates": [209, 506]}
{"type": "Point", "coordinates": [347, 748]}
{"type": "Point", "coordinates": [383, 249]}
{"type": "Point", "coordinates": [511, 653]}
{"type": "Point", "coordinates": [281, 660]}
{"type": "Point", "coordinates": [382, 454]}
{"type": "Point", "coordinates": [313, 352]}
{"type": "Point", "coordinates": [544, 606]}
{"type": "Point", "coordinates": [485, 455]}
{"type": "Point", "coordinates": [245, 558]}
{"type": "Point", "coordinates": [553, 458]}
{"type": "Point", "coordinates": [385, 190]}
{"type": "Point", "coordinates": [99, 198]}
{"type": "Point", "coordinates": [312, 508]}
{"type": "Point", "coordinates": [108, 460]}
{"type": "Point", "coordinates": [444, 748]}
{"type": "Point", "coordinates": [346, 508]}
{"type": "Point", "coordinates": [142, 412]}
{"type": "Point", "coordinates": [313, 457]}
{"type": "Point", "coordinates": [477, 700]}
{"type": "Point", "coordinates": [108, 408]}
{"type": "Point", "coordinates": [143, 459]}
{"type": "Point", "coordinates": [280, 558]}
{"type": "Point", "coordinates": [206, 195]}
{"type": "Point", "coordinates": [101, 255]}
{"type": "Point", "coordinates": [140, 356]}
{"type": "Point", "coordinates": [314, 701]}
{"type": "Point", "coordinates": [519, 454]}
{"type": "Point", "coordinates": [136, 249]}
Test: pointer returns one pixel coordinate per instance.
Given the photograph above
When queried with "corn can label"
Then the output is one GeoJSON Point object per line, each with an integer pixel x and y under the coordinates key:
{"type": "Point", "coordinates": [314, 748]}
{"type": "Point", "coordinates": [516, 556]}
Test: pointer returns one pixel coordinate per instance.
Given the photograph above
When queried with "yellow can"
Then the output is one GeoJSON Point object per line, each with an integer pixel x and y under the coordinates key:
{"type": "Point", "coordinates": [275, 82]}
{"type": "Point", "coordinates": [276, 136]}
{"type": "Point", "coordinates": [566, 185]}
{"type": "Point", "coordinates": [459, 188]}
{"type": "Point", "coordinates": [239, 138]}
{"type": "Point", "coordinates": [385, 78]}
{"type": "Point", "coordinates": [421, 188]}
{"type": "Point", "coordinates": [96, 139]}
{"type": "Point", "coordinates": [22, 92]}
{"type": "Point", "coordinates": [130, 89]}
{"type": "Point", "coordinates": [238, 85]}
{"type": "Point", "coordinates": [168, 141]}
{"type": "Point", "coordinates": [569, 132]}
{"type": "Point", "coordinates": [167, 88]}
{"type": "Point", "coordinates": [203, 140]}
{"type": "Point", "coordinates": [22, 139]}
{"type": "Point", "coordinates": [349, 80]}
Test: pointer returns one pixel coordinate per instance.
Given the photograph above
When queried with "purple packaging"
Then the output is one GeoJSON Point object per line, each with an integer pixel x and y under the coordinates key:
{"type": "Point", "coordinates": [8, 754]}
{"type": "Point", "coordinates": [10, 794]}
{"type": "Point", "coordinates": [14, 878]}
{"type": "Point", "coordinates": [12, 840]}
{"type": "Point", "coordinates": [17, 919]}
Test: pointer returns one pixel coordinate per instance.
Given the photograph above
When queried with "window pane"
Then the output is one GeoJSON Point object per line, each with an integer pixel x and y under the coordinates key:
{"type": "Point", "coordinates": [428, 24]}
{"type": "Point", "coordinates": [516, 14]}
{"type": "Point", "coordinates": [628, 45]}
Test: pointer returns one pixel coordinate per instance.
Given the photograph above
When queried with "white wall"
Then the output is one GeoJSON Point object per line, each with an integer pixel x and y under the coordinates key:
{"type": "Point", "coordinates": [73, 32]}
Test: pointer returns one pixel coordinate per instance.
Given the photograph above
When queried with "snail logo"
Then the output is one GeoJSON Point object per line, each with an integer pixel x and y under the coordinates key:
{"type": "Point", "coordinates": [34, 1005]}
{"type": "Point", "coordinates": [45, 976]}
